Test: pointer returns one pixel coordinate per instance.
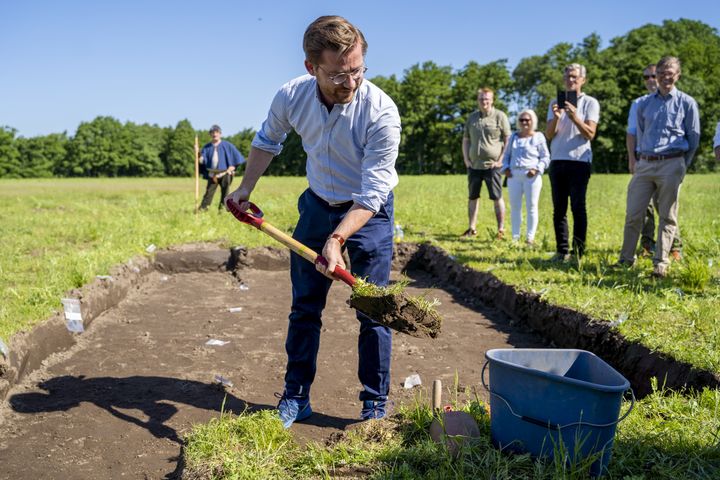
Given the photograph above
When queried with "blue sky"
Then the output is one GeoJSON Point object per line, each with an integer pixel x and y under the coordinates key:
{"type": "Point", "coordinates": [64, 62]}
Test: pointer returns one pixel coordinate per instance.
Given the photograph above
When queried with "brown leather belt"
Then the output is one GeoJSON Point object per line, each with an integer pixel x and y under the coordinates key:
{"type": "Point", "coordinates": [652, 158]}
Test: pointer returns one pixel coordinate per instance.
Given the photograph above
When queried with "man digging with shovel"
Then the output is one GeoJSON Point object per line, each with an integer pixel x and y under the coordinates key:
{"type": "Point", "coordinates": [351, 133]}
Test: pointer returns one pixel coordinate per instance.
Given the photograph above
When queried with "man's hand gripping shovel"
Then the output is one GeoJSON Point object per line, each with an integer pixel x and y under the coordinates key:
{"type": "Point", "coordinates": [406, 315]}
{"type": "Point", "coordinates": [255, 219]}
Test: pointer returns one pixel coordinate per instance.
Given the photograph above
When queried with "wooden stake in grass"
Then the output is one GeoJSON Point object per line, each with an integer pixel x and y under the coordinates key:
{"type": "Point", "coordinates": [389, 306]}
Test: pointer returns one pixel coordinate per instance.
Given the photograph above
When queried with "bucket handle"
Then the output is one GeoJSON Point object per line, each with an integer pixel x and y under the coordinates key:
{"type": "Point", "coordinates": [547, 423]}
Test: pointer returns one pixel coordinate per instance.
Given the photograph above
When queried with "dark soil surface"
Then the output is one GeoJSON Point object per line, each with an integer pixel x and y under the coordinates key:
{"type": "Point", "coordinates": [118, 402]}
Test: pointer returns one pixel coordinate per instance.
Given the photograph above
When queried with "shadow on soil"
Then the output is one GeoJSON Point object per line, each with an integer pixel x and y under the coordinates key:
{"type": "Point", "coordinates": [151, 395]}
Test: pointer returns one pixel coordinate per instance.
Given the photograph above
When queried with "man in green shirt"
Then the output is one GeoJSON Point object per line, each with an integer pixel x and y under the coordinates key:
{"type": "Point", "coordinates": [486, 135]}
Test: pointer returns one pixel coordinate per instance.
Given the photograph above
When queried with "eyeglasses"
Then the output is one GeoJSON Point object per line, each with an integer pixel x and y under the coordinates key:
{"type": "Point", "coordinates": [524, 120]}
{"type": "Point", "coordinates": [646, 77]}
{"type": "Point", "coordinates": [340, 78]}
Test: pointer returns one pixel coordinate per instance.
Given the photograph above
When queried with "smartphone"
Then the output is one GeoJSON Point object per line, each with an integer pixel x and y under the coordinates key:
{"type": "Point", "coordinates": [566, 96]}
{"type": "Point", "coordinates": [571, 98]}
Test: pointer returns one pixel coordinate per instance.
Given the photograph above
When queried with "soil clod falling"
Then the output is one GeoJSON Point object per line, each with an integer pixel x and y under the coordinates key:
{"type": "Point", "coordinates": [413, 316]}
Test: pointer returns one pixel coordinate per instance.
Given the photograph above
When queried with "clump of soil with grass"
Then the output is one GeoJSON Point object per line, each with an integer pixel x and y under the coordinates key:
{"type": "Point", "coordinates": [390, 306]}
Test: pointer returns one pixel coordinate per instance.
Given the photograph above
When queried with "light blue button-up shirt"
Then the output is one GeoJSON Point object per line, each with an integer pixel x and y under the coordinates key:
{"type": "Point", "coordinates": [351, 149]}
{"type": "Point", "coordinates": [668, 124]}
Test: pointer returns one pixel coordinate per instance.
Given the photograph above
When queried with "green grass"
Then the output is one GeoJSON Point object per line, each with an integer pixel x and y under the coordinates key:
{"type": "Point", "coordinates": [666, 436]}
{"type": "Point", "coordinates": [60, 233]}
{"type": "Point", "coordinates": [677, 315]}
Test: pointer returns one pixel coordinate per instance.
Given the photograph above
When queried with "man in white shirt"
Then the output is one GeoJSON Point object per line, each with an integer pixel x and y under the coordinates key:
{"type": "Point", "coordinates": [350, 130]}
{"type": "Point", "coordinates": [570, 128]}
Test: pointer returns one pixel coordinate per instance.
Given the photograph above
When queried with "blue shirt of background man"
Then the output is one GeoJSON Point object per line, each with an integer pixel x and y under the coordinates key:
{"type": "Point", "coordinates": [351, 150]}
{"type": "Point", "coordinates": [668, 125]}
{"type": "Point", "coordinates": [228, 156]}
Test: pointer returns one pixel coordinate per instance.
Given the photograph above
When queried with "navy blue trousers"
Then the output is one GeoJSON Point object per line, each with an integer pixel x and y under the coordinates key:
{"type": "Point", "coordinates": [370, 252]}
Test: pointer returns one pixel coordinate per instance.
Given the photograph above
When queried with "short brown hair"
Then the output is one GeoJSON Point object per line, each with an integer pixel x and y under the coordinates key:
{"type": "Point", "coordinates": [331, 32]}
{"type": "Point", "coordinates": [485, 90]}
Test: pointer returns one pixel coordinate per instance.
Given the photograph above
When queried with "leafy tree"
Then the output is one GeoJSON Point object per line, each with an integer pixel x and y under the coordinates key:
{"type": "Point", "coordinates": [97, 150]}
{"type": "Point", "coordinates": [180, 153]}
{"type": "Point", "coordinates": [425, 106]}
{"type": "Point", "coordinates": [10, 166]}
{"type": "Point", "coordinates": [145, 146]}
{"type": "Point", "coordinates": [242, 141]}
{"type": "Point", "coordinates": [41, 155]}
{"type": "Point", "coordinates": [474, 76]}
{"type": "Point", "coordinates": [292, 158]}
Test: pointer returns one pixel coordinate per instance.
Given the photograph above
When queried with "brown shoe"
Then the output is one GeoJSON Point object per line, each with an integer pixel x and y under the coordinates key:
{"type": "Point", "coordinates": [470, 232]}
{"type": "Point", "coordinates": [676, 255]}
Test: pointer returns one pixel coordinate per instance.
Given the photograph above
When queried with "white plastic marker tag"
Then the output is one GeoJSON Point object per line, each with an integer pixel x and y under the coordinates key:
{"type": "Point", "coordinates": [4, 349]}
{"type": "Point", "coordinates": [244, 287]}
{"type": "Point", "coordinates": [73, 316]}
{"type": "Point", "coordinates": [235, 309]}
{"type": "Point", "coordinates": [104, 277]}
{"type": "Point", "coordinates": [223, 381]}
{"type": "Point", "coordinates": [412, 380]}
{"type": "Point", "coordinates": [214, 342]}
{"type": "Point", "coordinates": [151, 248]}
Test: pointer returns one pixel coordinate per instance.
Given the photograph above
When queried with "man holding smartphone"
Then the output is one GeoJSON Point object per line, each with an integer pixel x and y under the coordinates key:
{"type": "Point", "coordinates": [570, 128]}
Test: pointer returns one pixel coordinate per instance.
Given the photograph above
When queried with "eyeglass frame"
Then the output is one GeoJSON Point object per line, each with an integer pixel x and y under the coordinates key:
{"type": "Point", "coordinates": [648, 77]}
{"type": "Point", "coordinates": [523, 120]}
{"type": "Point", "coordinates": [345, 75]}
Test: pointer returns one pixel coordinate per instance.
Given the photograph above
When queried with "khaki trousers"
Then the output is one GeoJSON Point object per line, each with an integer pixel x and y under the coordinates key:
{"type": "Point", "coordinates": [661, 178]}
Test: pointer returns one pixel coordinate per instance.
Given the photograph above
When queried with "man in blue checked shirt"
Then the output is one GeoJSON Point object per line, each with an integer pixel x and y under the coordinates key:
{"type": "Point", "coordinates": [668, 134]}
{"type": "Point", "coordinates": [350, 131]}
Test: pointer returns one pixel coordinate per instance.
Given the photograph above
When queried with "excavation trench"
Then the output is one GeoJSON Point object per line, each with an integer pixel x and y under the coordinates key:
{"type": "Point", "coordinates": [117, 399]}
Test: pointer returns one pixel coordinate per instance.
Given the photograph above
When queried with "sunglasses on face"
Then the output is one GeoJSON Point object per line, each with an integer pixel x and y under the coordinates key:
{"type": "Point", "coordinates": [646, 77]}
{"type": "Point", "coordinates": [524, 120]}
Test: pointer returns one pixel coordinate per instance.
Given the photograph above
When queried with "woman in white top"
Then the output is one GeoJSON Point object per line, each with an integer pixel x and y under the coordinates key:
{"type": "Point", "coordinates": [526, 158]}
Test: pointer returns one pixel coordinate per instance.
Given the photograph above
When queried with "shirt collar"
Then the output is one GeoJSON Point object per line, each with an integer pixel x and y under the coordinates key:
{"type": "Point", "coordinates": [489, 112]}
{"type": "Point", "coordinates": [342, 106]}
{"type": "Point", "coordinates": [671, 94]}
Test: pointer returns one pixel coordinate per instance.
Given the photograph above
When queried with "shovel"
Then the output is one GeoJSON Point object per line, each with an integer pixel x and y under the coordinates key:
{"type": "Point", "coordinates": [394, 311]}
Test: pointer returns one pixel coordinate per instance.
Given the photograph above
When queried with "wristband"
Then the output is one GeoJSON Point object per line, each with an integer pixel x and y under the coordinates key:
{"type": "Point", "coordinates": [339, 238]}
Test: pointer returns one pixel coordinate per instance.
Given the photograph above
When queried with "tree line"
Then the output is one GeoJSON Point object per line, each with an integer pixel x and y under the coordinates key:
{"type": "Point", "coordinates": [434, 102]}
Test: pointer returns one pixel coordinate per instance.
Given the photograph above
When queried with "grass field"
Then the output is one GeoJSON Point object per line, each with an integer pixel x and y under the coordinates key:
{"type": "Point", "coordinates": [59, 234]}
{"type": "Point", "coordinates": [666, 437]}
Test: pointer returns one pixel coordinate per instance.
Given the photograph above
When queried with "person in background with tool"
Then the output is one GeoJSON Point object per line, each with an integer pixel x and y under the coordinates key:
{"type": "Point", "coordinates": [487, 131]}
{"type": "Point", "coordinates": [668, 131]}
{"type": "Point", "coordinates": [647, 237]}
{"type": "Point", "coordinates": [218, 161]}
{"type": "Point", "coordinates": [351, 134]}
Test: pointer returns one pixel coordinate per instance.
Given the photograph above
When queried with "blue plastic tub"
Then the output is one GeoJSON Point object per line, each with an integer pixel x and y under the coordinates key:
{"type": "Point", "coordinates": [546, 401]}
